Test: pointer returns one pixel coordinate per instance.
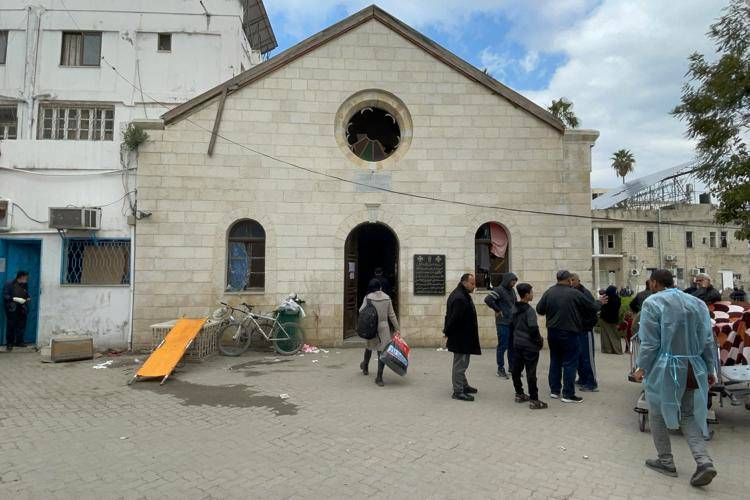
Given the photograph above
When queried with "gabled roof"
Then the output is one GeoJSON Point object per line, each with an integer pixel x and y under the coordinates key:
{"type": "Point", "coordinates": [332, 32]}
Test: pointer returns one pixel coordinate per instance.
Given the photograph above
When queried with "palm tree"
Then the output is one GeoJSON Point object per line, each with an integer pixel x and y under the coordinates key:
{"type": "Point", "coordinates": [562, 109]}
{"type": "Point", "coordinates": [623, 162]}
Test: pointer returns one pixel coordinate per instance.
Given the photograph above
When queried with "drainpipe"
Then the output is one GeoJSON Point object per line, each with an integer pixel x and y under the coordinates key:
{"type": "Point", "coordinates": [132, 285]}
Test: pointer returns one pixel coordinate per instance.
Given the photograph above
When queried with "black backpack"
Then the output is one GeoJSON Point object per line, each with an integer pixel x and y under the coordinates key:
{"type": "Point", "coordinates": [367, 322]}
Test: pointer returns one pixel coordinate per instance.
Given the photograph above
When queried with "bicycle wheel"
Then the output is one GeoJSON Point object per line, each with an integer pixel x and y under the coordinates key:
{"type": "Point", "coordinates": [234, 339]}
{"type": "Point", "coordinates": [288, 338]}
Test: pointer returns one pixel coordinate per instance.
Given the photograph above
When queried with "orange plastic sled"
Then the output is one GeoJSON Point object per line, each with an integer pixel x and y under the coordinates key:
{"type": "Point", "coordinates": [166, 356]}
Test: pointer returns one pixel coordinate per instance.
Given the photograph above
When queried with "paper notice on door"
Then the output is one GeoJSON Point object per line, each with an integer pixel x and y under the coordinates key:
{"type": "Point", "coordinates": [352, 267]}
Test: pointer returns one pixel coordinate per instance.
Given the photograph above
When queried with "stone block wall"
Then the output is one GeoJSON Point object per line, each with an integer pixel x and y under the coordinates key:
{"type": "Point", "coordinates": [468, 145]}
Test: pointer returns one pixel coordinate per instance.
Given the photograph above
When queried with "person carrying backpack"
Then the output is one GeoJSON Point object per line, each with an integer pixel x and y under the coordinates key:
{"type": "Point", "coordinates": [385, 331]}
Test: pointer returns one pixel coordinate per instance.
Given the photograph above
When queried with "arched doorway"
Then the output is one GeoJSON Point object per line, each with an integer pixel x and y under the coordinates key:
{"type": "Point", "coordinates": [368, 247]}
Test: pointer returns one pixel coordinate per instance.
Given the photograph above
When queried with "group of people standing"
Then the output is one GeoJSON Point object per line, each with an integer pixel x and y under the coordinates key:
{"type": "Point", "coordinates": [675, 361]}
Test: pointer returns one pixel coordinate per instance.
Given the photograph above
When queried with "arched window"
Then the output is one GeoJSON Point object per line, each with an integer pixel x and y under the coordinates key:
{"type": "Point", "coordinates": [246, 259]}
{"type": "Point", "coordinates": [490, 254]}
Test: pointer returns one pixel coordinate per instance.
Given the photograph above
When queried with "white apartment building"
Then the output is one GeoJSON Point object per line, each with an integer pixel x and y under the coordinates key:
{"type": "Point", "coordinates": [73, 74]}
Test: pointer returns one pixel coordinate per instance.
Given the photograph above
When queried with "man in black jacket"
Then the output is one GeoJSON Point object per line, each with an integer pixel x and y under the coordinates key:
{"type": "Point", "coordinates": [527, 342]}
{"type": "Point", "coordinates": [462, 330]}
{"type": "Point", "coordinates": [15, 300]}
{"type": "Point", "coordinates": [586, 366]}
{"type": "Point", "coordinates": [564, 306]}
{"type": "Point", "coordinates": [706, 291]}
{"type": "Point", "coordinates": [502, 300]}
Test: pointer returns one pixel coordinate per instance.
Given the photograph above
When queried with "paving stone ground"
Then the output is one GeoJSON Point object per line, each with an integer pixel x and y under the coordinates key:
{"type": "Point", "coordinates": [220, 429]}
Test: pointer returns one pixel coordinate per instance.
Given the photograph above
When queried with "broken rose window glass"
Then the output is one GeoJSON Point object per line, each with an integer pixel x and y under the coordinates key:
{"type": "Point", "coordinates": [373, 134]}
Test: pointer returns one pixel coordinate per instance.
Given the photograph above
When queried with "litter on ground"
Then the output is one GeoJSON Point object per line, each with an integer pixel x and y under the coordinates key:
{"type": "Point", "coordinates": [284, 396]}
{"type": "Point", "coordinates": [103, 365]}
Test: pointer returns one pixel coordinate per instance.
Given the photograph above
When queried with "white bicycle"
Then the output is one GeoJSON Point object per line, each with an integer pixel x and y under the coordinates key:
{"type": "Point", "coordinates": [234, 339]}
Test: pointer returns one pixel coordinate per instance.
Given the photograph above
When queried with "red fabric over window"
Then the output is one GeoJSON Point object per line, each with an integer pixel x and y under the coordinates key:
{"type": "Point", "coordinates": [499, 240]}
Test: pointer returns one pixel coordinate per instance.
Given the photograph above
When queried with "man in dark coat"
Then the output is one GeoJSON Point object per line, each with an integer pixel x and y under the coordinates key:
{"type": "Point", "coordinates": [586, 365]}
{"type": "Point", "coordinates": [15, 299]}
{"type": "Point", "coordinates": [462, 330]}
{"type": "Point", "coordinates": [527, 342]}
{"type": "Point", "coordinates": [706, 291]}
{"type": "Point", "coordinates": [502, 300]}
{"type": "Point", "coordinates": [564, 306]}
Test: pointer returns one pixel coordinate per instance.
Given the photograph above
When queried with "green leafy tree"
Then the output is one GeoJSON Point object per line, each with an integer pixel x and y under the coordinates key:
{"type": "Point", "coordinates": [716, 107]}
{"type": "Point", "coordinates": [562, 109]}
{"type": "Point", "coordinates": [623, 162]}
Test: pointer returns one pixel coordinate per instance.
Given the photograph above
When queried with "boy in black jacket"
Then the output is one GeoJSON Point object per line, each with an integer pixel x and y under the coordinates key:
{"type": "Point", "coordinates": [527, 342]}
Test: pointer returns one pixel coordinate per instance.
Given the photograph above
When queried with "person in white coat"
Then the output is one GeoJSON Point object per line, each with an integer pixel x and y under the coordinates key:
{"type": "Point", "coordinates": [387, 327]}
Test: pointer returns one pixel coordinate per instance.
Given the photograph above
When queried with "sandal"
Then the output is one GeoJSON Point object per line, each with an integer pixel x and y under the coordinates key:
{"type": "Point", "coordinates": [537, 405]}
{"type": "Point", "coordinates": [521, 398]}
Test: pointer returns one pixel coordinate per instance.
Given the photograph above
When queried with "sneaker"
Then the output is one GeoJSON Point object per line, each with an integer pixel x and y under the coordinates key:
{"type": "Point", "coordinates": [502, 373]}
{"type": "Point", "coordinates": [571, 399]}
{"type": "Point", "coordinates": [588, 389]}
{"type": "Point", "coordinates": [555, 395]}
{"type": "Point", "coordinates": [462, 396]}
{"type": "Point", "coordinates": [659, 466]}
{"type": "Point", "coordinates": [703, 475]}
{"type": "Point", "coordinates": [363, 366]}
{"type": "Point", "coordinates": [470, 390]}
{"type": "Point", "coordinates": [522, 398]}
{"type": "Point", "coordinates": [535, 404]}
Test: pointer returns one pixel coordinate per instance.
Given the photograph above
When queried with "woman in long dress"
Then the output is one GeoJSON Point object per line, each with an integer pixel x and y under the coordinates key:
{"type": "Point", "coordinates": [386, 331]}
{"type": "Point", "coordinates": [610, 317]}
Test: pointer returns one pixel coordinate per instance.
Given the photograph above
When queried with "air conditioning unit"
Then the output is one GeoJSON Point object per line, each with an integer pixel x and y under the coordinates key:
{"type": "Point", "coordinates": [633, 258]}
{"type": "Point", "coordinates": [6, 214]}
{"type": "Point", "coordinates": [635, 272]}
{"type": "Point", "coordinates": [695, 271]}
{"type": "Point", "coordinates": [670, 258]}
{"type": "Point", "coordinates": [87, 219]}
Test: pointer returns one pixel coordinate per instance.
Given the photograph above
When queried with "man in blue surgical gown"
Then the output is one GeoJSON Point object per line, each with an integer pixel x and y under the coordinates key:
{"type": "Point", "coordinates": [676, 364]}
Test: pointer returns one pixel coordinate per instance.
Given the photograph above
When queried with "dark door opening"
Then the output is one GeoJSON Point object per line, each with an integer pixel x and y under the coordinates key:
{"type": "Point", "coordinates": [368, 247]}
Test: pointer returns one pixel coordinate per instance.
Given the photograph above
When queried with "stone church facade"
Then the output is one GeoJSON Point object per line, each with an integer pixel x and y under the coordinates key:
{"type": "Point", "coordinates": [405, 149]}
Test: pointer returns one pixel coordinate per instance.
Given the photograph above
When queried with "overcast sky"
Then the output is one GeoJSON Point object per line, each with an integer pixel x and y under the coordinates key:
{"type": "Point", "coordinates": [621, 62]}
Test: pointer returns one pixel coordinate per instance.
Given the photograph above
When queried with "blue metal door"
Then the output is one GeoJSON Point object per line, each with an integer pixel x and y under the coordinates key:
{"type": "Point", "coordinates": [16, 255]}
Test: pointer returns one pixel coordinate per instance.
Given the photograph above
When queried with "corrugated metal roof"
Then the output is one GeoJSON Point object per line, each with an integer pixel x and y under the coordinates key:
{"type": "Point", "coordinates": [629, 189]}
{"type": "Point", "coordinates": [257, 26]}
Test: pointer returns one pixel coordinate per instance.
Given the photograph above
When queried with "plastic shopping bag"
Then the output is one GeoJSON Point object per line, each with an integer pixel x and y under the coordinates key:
{"type": "Point", "coordinates": [396, 356]}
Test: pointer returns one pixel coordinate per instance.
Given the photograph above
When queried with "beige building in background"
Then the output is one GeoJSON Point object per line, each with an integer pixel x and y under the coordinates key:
{"type": "Point", "coordinates": [682, 238]}
{"type": "Point", "coordinates": [370, 101]}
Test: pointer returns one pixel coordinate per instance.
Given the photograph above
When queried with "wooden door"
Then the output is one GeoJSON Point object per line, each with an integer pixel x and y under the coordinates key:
{"type": "Point", "coordinates": [351, 273]}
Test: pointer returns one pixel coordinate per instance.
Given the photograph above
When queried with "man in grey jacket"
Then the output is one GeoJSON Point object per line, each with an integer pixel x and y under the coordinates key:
{"type": "Point", "coordinates": [502, 300]}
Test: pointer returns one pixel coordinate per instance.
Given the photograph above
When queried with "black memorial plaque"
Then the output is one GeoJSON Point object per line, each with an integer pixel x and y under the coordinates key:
{"type": "Point", "coordinates": [429, 274]}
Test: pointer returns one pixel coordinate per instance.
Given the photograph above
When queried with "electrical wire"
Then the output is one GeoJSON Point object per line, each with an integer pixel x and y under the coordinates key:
{"type": "Point", "coordinates": [28, 216]}
{"type": "Point", "coordinates": [24, 212]}
{"type": "Point", "coordinates": [393, 191]}
{"type": "Point", "coordinates": [414, 195]}
{"type": "Point", "coordinates": [61, 174]}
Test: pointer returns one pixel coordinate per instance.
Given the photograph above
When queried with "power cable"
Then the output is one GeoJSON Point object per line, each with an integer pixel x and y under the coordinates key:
{"type": "Point", "coordinates": [413, 195]}
{"type": "Point", "coordinates": [393, 191]}
{"type": "Point", "coordinates": [28, 216]}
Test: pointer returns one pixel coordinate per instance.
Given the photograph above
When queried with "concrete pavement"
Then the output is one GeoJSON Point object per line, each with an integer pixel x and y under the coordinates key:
{"type": "Point", "coordinates": [220, 429]}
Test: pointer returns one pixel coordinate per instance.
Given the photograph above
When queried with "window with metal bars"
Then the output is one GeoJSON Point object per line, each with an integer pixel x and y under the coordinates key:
{"type": "Point", "coordinates": [8, 122]}
{"type": "Point", "coordinates": [78, 122]}
{"type": "Point", "coordinates": [96, 262]}
{"type": "Point", "coordinates": [246, 261]}
{"type": "Point", "coordinates": [81, 49]}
